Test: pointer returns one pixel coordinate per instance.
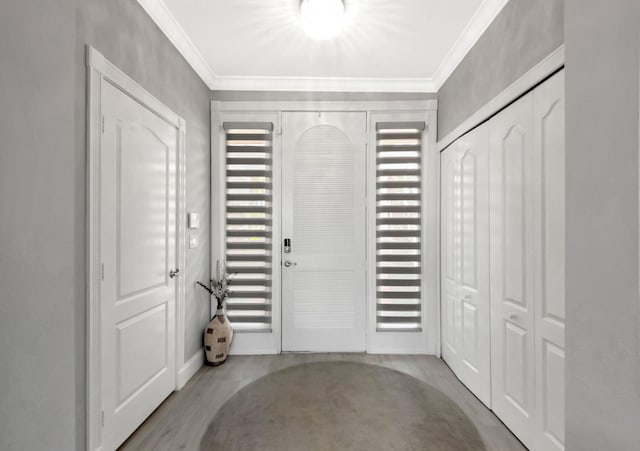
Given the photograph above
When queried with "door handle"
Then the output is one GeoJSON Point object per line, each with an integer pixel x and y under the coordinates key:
{"type": "Point", "coordinates": [288, 263]}
{"type": "Point", "coordinates": [174, 272]}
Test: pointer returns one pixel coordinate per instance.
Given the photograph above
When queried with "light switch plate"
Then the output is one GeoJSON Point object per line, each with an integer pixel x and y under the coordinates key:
{"type": "Point", "coordinates": [193, 241]}
{"type": "Point", "coordinates": [193, 220]}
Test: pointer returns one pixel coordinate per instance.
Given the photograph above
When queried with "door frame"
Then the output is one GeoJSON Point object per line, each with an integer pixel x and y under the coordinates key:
{"type": "Point", "coordinates": [99, 71]}
{"type": "Point", "coordinates": [270, 342]}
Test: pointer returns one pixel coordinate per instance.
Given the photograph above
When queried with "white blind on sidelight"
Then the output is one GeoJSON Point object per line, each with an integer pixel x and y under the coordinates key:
{"type": "Point", "coordinates": [249, 223]}
{"type": "Point", "coordinates": [398, 226]}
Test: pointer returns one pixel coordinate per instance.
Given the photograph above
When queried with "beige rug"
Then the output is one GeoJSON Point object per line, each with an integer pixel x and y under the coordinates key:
{"type": "Point", "coordinates": [340, 406]}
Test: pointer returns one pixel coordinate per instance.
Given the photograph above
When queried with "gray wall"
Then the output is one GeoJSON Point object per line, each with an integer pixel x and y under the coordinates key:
{"type": "Point", "coordinates": [39, 235]}
{"type": "Point", "coordinates": [522, 34]}
{"type": "Point", "coordinates": [603, 355]}
{"type": "Point", "coordinates": [127, 37]}
{"type": "Point", "coordinates": [42, 200]}
{"type": "Point", "coordinates": [289, 96]}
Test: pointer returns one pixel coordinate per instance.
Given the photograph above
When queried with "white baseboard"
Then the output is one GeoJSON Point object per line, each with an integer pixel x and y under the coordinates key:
{"type": "Point", "coordinates": [190, 368]}
{"type": "Point", "coordinates": [255, 343]}
{"type": "Point", "coordinates": [399, 351]}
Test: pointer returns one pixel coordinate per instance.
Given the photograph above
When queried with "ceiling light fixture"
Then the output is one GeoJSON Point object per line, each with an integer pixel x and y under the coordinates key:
{"type": "Point", "coordinates": [322, 19]}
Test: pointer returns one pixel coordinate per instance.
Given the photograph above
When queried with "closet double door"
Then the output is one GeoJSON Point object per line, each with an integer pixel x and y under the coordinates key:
{"type": "Point", "coordinates": [527, 266]}
{"type": "Point", "coordinates": [466, 344]}
{"type": "Point", "coordinates": [520, 152]}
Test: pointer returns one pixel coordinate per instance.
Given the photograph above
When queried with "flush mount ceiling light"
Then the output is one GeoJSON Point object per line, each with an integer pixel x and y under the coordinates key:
{"type": "Point", "coordinates": [322, 19]}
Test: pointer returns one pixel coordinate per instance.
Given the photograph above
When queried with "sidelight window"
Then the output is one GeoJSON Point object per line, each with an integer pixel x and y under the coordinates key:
{"type": "Point", "coordinates": [398, 226]}
{"type": "Point", "coordinates": [249, 241]}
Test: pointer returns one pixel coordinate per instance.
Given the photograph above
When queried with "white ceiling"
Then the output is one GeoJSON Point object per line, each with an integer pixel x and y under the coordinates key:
{"type": "Point", "coordinates": [386, 45]}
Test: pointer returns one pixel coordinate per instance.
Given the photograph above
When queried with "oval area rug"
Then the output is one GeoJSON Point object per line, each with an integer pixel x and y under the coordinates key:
{"type": "Point", "coordinates": [340, 406]}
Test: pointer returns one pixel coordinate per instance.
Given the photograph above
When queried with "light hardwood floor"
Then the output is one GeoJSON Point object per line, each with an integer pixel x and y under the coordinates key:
{"type": "Point", "coordinates": [181, 421]}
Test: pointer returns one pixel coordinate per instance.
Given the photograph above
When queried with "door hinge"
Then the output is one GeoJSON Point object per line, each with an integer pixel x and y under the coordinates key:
{"type": "Point", "coordinates": [102, 418]}
{"type": "Point", "coordinates": [102, 124]}
{"type": "Point", "coordinates": [101, 271]}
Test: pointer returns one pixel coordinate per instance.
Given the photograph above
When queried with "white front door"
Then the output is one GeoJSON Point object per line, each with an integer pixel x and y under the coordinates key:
{"type": "Point", "coordinates": [138, 248]}
{"type": "Point", "coordinates": [323, 214]}
{"type": "Point", "coordinates": [513, 196]}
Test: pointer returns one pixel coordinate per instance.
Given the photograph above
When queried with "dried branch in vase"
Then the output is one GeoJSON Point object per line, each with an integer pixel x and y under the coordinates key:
{"type": "Point", "coordinates": [219, 285]}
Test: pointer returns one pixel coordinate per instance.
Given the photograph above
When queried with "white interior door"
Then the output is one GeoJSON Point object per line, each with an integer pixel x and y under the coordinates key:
{"type": "Point", "coordinates": [450, 246]}
{"type": "Point", "coordinates": [465, 261]}
{"type": "Point", "coordinates": [138, 248]}
{"type": "Point", "coordinates": [549, 133]}
{"type": "Point", "coordinates": [512, 237]}
{"type": "Point", "coordinates": [475, 311]}
{"type": "Point", "coordinates": [323, 214]}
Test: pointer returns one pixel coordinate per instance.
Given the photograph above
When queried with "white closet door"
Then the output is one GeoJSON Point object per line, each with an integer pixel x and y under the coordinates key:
{"type": "Point", "coordinates": [449, 267]}
{"type": "Point", "coordinates": [513, 197]}
{"type": "Point", "coordinates": [465, 261]}
{"type": "Point", "coordinates": [549, 134]}
{"type": "Point", "coordinates": [473, 293]}
{"type": "Point", "coordinates": [138, 248]}
{"type": "Point", "coordinates": [323, 201]}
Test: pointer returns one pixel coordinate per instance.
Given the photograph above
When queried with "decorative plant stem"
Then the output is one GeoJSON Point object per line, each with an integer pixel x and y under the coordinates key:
{"type": "Point", "coordinates": [219, 284]}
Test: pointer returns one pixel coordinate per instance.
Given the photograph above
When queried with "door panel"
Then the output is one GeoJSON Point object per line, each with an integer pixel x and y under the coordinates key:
{"type": "Point", "coordinates": [141, 350]}
{"type": "Point", "coordinates": [142, 208]}
{"type": "Point", "coordinates": [466, 261]}
{"type": "Point", "coordinates": [470, 338]}
{"type": "Point", "coordinates": [514, 148]}
{"type": "Point", "coordinates": [516, 373]}
{"type": "Point", "coordinates": [549, 138]}
{"type": "Point", "coordinates": [323, 187]}
{"type": "Point", "coordinates": [512, 192]}
{"type": "Point", "coordinates": [138, 247]}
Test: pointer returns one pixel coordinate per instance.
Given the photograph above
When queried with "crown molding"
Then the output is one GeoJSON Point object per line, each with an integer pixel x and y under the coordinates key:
{"type": "Point", "coordinates": [325, 84]}
{"type": "Point", "coordinates": [478, 24]}
{"type": "Point", "coordinates": [161, 15]}
{"type": "Point", "coordinates": [476, 27]}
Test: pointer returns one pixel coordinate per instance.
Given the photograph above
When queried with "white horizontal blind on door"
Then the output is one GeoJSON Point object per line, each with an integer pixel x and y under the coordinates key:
{"type": "Point", "coordinates": [249, 221]}
{"type": "Point", "coordinates": [399, 226]}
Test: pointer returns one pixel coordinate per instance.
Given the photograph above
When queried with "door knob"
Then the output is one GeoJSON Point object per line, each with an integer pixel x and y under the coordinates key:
{"type": "Point", "coordinates": [513, 317]}
{"type": "Point", "coordinates": [288, 263]}
{"type": "Point", "coordinates": [174, 272]}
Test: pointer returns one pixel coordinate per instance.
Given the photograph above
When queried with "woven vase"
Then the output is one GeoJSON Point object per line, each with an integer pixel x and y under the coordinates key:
{"type": "Point", "coordinates": [217, 339]}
